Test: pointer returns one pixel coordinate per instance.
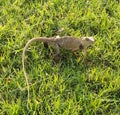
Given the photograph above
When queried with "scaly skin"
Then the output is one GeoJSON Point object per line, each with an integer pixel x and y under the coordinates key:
{"type": "Point", "coordinates": [67, 42]}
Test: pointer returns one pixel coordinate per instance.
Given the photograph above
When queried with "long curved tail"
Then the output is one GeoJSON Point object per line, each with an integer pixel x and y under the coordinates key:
{"type": "Point", "coordinates": [42, 39]}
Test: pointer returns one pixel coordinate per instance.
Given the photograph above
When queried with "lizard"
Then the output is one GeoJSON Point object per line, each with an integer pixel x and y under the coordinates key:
{"type": "Point", "coordinates": [67, 42]}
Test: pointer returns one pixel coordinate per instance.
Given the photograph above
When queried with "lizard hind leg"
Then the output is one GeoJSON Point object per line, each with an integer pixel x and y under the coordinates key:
{"type": "Point", "coordinates": [46, 46]}
{"type": "Point", "coordinates": [57, 55]}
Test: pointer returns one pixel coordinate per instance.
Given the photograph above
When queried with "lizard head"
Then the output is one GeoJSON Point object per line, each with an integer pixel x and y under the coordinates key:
{"type": "Point", "coordinates": [87, 41]}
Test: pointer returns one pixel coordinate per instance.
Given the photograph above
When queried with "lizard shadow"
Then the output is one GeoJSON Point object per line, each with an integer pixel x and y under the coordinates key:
{"type": "Point", "coordinates": [76, 73]}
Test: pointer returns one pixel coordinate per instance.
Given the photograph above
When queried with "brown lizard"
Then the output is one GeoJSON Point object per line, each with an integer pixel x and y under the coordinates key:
{"type": "Point", "coordinates": [66, 42]}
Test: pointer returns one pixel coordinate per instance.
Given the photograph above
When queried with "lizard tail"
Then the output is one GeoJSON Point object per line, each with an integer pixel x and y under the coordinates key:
{"type": "Point", "coordinates": [42, 39]}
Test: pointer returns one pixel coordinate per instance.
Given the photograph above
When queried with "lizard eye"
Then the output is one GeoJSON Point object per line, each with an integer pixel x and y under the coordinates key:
{"type": "Point", "coordinates": [87, 39]}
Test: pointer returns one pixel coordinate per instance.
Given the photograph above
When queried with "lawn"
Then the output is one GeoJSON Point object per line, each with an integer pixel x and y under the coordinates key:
{"type": "Point", "coordinates": [70, 87]}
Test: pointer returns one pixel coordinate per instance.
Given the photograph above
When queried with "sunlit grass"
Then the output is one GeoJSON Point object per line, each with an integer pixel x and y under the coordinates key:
{"type": "Point", "coordinates": [70, 87]}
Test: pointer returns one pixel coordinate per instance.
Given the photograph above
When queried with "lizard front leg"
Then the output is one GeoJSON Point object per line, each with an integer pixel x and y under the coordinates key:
{"type": "Point", "coordinates": [85, 56]}
{"type": "Point", "coordinates": [85, 53]}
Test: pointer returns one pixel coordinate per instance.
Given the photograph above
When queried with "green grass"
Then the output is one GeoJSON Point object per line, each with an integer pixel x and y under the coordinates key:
{"type": "Point", "coordinates": [70, 87]}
